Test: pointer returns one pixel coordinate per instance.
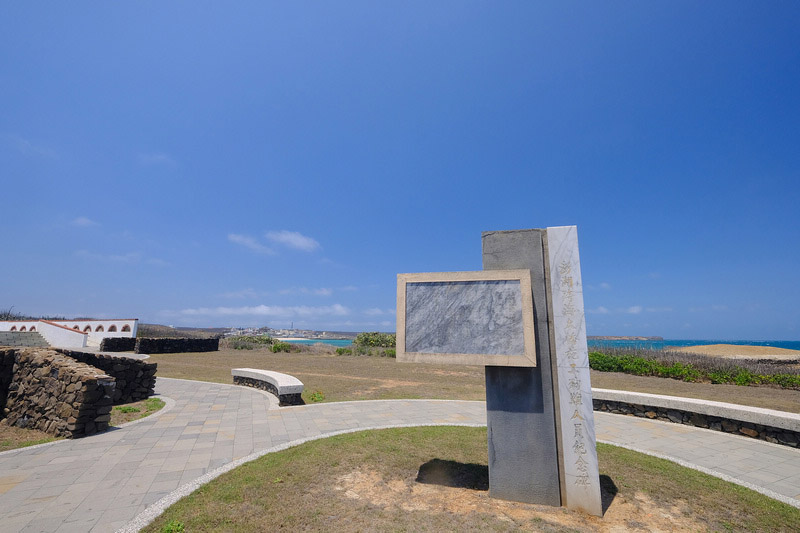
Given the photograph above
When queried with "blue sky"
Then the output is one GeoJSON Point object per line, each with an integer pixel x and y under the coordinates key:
{"type": "Point", "coordinates": [261, 163]}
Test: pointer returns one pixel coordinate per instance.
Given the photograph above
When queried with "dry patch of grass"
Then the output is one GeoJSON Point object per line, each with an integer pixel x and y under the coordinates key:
{"type": "Point", "coordinates": [338, 377]}
{"type": "Point", "coordinates": [367, 378]}
{"type": "Point", "coordinates": [435, 479]}
{"type": "Point", "coordinates": [13, 437]}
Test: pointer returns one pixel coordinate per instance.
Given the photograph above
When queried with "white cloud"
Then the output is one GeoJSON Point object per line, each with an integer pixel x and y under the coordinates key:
{"type": "Point", "coordinates": [322, 291]}
{"type": "Point", "coordinates": [373, 312]}
{"type": "Point", "coordinates": [154, 159]}
{"type": "Point", "coordinates": [274, 311]}
{"type": "Point", "coordinates": [156, 262]}
{"type": "Point", "coordinates": [83, 222]}
{"type": "Point", "coordinates": [26, 147]}
{"type": "Point", "coordinates": [600, 310]}
{"type": "Point", "coordinates": [634, 309]}
{"type": "Point", "coordinates": [250, 243]}
{"type": "Point", "coordinates": [244, 293]}
{"type": "Point", "coordinates": [658, 309]}
{"type": "Point", "coordinates": [605, 286]}
{"type": "Point", "coordinates": [127, 258]}
{"type": "Point", "coordinates": [293, 239]}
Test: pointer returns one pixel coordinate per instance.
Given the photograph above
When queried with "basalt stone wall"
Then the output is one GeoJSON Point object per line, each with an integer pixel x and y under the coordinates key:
{"type": "Point", "coordinates": [118, 344]}
{"type": "Point", "coordinates": [146, 345]}
{"type": "Point", "coordinates": [676, 416]}
{"type": "Point", "coordinates": [135, 379]}
{"type": "Point", "coordinates": [57, 394]}
{"type": "Point", "coordinates": [8, 356]}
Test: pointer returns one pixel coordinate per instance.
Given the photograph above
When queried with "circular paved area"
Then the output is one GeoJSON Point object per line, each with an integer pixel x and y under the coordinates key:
{"type": "Point", "coordinates": [124, 477]}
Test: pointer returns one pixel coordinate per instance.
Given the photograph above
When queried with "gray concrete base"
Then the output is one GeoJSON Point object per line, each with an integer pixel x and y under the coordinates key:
{"type": "Point", "coordinates": [523, 459]}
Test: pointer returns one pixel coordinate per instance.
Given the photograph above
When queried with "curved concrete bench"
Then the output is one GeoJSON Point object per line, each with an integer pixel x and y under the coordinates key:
{"type": "Point", "coordinates": [287, 388]}
{"type": "Point", "coordinates": [778, 427]}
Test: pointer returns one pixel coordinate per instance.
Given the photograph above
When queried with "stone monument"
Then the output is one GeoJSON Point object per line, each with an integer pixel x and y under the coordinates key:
{"type": "Point", "coordinates": [521, 317]}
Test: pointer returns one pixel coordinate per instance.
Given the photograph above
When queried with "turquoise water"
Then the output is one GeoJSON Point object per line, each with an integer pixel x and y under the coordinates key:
{"type": "Point", "coordinates": [657, 345]}
{"type": "Point", "coordinates": [334, 342]}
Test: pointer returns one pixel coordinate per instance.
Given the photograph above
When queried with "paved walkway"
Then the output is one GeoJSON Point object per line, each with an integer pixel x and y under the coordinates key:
{"type": "Point", "coordinates": [123, 478]}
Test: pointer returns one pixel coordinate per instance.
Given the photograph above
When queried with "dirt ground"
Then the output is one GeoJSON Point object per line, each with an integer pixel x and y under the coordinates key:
{"type": "Point", "coordinates": [734, 351]}
{"type": "Point", "coordinates": [639, 513]}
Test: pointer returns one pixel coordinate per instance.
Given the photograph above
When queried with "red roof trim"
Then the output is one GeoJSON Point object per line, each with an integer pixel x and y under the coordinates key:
{"type": "Point", "coordinates": [64, 327]}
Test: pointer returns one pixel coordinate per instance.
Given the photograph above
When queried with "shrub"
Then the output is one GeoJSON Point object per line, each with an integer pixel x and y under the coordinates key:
{"type": "Point", "coordinates": [690, 367]}
{"type": "Point", "coordinates": [375, 339]}
{"type": "Point", "coordinates": [281, 347]}
{"type": "Point", "coordinates": [248, 342]}
{"type": "Point", "coordinates": [344, 351]}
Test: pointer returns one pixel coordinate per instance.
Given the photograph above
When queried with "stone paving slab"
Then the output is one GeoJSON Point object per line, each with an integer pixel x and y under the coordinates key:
{"type": "Point", "coordinates": [122, 479]}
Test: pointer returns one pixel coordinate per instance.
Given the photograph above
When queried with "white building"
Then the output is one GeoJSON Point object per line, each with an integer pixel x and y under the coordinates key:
{"type": "Point", "coordinates": [75, 333]}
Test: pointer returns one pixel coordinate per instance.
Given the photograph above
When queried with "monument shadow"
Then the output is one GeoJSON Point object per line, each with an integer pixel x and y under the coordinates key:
{"type": "Point", "coordinates": [454, 474]}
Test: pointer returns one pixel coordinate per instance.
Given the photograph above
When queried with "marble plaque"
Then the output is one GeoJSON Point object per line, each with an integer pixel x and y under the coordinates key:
{"type": "Point", "coordinates": [477, 318]}
{"type": "Point", "coordinates": [580, 479]}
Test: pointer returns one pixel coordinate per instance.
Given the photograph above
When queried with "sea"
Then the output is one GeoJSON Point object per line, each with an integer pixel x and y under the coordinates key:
{"type": "Point", "coordinates": [653, 345]}
{"type": "Point", "coordinates": [659, 344]}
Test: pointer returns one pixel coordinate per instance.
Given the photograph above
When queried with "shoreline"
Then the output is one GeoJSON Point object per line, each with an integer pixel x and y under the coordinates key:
{"type": "Point", "coordinates": [738, 351]}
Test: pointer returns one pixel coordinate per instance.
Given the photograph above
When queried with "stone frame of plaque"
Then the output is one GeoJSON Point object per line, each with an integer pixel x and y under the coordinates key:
{"type": "Point", "coordinates": [474, 349]}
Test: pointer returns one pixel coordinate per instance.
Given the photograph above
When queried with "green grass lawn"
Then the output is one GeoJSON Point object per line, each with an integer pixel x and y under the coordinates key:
{"type": "Point", "coordinates": [436, 479]}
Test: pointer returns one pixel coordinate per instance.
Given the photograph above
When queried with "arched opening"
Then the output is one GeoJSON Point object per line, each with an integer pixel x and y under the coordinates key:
{"type": "Point", "coordinates": [99, 328]}
{"type": "Point", "coordinates": [87, 329]}
{"type": "Point", "coordinates": [112, 328]}
{"type": "Point", "coordinates": [23, 328]}
{"type": "Point", "coordinates": [76, 328]}
{"type": "Point", "coordinates": [126, 327]}
{"type": "Point", "coordinates": [13, 328]}
{"type": "Point", "coordinates": [33, 328]}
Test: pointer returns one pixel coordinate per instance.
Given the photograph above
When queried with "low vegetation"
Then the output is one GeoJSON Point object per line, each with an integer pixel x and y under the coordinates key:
{"type": "Point", "coordinates": [372, 343]}
{"type": "Point", "coordinates": [121, 414]}
{"type": "Point", "coordinates": [436, 479]}
{"type": "Point", "coordinates": [696, 368]}
{"type": "Point", "coordinates": [157, 331]}
{"type": "Point", "coordinates": [285, 347]}
{"type": "Point", "coordinates": [10, 314]}
{"type": "Point", "coordinates": [375, 339]}
{"type": "Point", "coordinates": [246, 342]}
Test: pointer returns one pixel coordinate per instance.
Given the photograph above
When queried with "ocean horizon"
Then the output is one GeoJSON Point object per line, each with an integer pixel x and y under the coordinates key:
{"type": "Point", "coordinates": [599, 343]}
{"type": "Point", "coordinates": [664, 343]}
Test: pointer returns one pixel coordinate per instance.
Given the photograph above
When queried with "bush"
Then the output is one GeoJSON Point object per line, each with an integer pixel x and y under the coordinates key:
{"type": "Point", "coordinates": [281, 347]}
{"type": "Point", "coordinates": [375, 339]}
{"type": "Point", "coordinates": [344, 351]}
{"type": "Point", "coordinates": [698, 368]}
{"type": "Point", "coordinates": [248, 342]}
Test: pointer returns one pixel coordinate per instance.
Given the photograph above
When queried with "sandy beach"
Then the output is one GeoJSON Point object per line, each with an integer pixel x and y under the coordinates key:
{"type": "Point", "coordinates": [734, 351]}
